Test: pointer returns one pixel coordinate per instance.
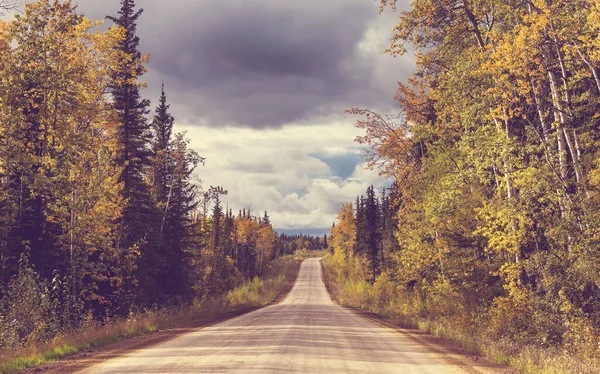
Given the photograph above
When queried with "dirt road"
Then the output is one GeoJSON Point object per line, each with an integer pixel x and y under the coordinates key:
{"type": "Point", "coordinates": [306, 333]}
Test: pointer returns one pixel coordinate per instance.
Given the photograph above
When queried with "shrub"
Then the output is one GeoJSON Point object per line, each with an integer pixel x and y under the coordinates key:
{"type": "Point", "coordinates": [26, 308]}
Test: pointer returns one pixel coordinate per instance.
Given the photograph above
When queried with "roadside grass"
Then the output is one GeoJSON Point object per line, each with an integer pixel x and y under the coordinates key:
{"type": "Point", "coordinates": [75, 342]}
{"type": "Point", "coordinates": [345, 285]}
{"type": "Point", "coordinates": [278, 279]}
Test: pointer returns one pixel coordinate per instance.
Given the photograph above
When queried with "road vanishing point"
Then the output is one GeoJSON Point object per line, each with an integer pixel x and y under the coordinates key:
{"type": "Point", "coordinates": [305, 333]}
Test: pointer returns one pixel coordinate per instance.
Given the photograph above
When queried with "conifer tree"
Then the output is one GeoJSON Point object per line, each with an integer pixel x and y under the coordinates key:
{"type": "Point", "coordinates": [162, 126]}
{"type": "Point", "coordinates": [361, 228]}
{"type": "Point", "coordinates": [134, 135]}
{"type": "Point", "coordinates": [174, 194]}
{"type": "Point", "coordinates": [228, 235]}
{"type": "Point", "coordinates": [134, 132]}
{"type": "Point", "coordinates": [216, 275]}
{"type": "Point", "coordinates": [175, 233]}
{"type": "Point", "coordinates": [389, 224]}
{"type": "Point", "coordinates": [371, 225]}
{"type": "Point", "coordinates": [368, 231]}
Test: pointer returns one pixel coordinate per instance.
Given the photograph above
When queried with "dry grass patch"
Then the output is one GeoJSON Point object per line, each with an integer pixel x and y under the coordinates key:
{"type": "Point", "coordinates": [347, 285]}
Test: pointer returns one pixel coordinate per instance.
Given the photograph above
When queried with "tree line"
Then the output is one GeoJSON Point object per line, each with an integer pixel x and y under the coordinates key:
{"type": "Point", "coordinates": [100, 212]}
{"type": "Point", "coordinates": [494, 220]}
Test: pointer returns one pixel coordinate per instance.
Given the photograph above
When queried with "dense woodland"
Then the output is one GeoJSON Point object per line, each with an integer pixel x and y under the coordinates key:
{"type": "Point", "coordinates": [100, 211]}
{"type": "Point", "coordinates": [492, 225]}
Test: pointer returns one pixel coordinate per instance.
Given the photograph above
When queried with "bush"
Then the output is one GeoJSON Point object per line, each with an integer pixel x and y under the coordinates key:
{"type": "Point", "coordinates": [246, 294]}
{"type": "Point", "coordinates": [26, 309]}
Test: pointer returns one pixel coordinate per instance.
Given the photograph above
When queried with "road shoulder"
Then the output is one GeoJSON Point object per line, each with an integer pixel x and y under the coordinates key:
{"type": "Point", "coordinates": [91, 357]}
{"type": "Point", "coordinates": [469, 363]}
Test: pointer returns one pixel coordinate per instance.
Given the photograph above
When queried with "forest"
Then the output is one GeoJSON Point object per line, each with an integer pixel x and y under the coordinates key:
{"type": "Point", "coordinates": [490, 232]}
{"type": "Point", "coordinates": [489, 235]}
{"type": "Point", "coordinates": [101, 214]}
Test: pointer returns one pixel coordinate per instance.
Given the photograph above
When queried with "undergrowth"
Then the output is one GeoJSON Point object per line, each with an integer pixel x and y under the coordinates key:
{"type": "Point", "coordinates": [439, 312]}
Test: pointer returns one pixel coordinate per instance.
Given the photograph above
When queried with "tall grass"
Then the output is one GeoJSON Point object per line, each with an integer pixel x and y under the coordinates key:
{"type": "Point", "coordinates": [441, 314]}
{"type": "Point", "coordinates": [278, 278]}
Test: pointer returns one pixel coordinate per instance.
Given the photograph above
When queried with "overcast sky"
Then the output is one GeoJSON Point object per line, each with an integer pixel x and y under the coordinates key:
{"type": "Point", "coordinates": [261, 87]}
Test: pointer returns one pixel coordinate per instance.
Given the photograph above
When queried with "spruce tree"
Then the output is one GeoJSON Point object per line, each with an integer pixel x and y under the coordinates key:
{"type": "Point", "coordinates": [229, 235]}
{"type": "Point", "coordinates": [172, 166]}
{"type": "Point", "coordinates": [162, 127]}
{"type": "Point", "coordinates": [371, 218]}
{"type": "Point", "coordinates": [361, 227]}
{"type": "Point", "coordinates": [134, 135]}
{"type": "Point", "coordinates": [215, 281]}
{"type": "Point", "coordinates": [368, 230]}
{"type": "Point", "coordinates": [176, 234]}
{"type": "Point", "coordinates": [390, 204]}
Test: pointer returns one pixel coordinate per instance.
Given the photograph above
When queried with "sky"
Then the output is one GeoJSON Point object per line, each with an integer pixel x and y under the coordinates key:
{"type": "Point", "coordinates": [261, 86]}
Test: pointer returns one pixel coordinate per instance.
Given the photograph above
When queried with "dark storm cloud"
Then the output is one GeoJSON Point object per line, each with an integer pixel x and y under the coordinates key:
{"type": "Point", "coordinates": [259, 63]}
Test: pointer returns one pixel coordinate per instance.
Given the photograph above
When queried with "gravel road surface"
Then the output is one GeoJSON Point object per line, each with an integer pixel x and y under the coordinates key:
{"type": "Point", "coordinates": [305, 333]}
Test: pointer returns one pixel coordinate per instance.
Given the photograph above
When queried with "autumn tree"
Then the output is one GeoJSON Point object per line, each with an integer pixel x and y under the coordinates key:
{"type": "Point", "coordinates": [343, 234]}
{"type": "Point", "coordinates": [265, 246]}
{"type": "Point", "coordinates": [59, 190]}
{"type": "Point", "coordinates": [247, 237]}
{"type": "Point", "coordinates": [495, 159]}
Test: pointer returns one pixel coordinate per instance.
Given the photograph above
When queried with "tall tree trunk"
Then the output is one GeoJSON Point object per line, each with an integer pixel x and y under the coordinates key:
{"type": "Point", "coordinates": [592, 68]}
{"type": "Point", "coordinates": [437, 244]}
{"type": "Point", "coordinates": [541, 114]}
{"type": "Point", "coordinates": [575, 156]}
{"type": "Point", "coordinates": [72, 249]}
{"type": "Point", "coordinates": [560, 116]}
